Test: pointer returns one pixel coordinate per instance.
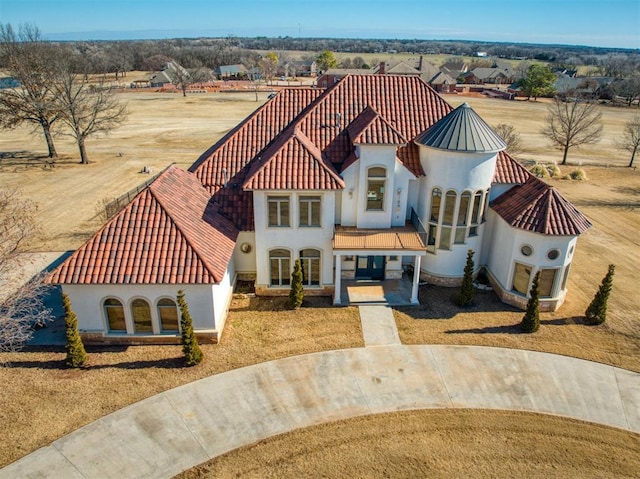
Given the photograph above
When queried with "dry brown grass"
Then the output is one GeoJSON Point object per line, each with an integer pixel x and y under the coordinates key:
{"type": "Point", "coordinates": [162, 128]}
{"type": "Point", "coordinates": [437, 444]}
{"type": "Point", "coordinates": [42, 400]}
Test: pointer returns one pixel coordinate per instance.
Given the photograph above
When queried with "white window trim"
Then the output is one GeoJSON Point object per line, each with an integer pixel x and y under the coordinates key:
{"type": "Point", "coordinates": [279, 199]}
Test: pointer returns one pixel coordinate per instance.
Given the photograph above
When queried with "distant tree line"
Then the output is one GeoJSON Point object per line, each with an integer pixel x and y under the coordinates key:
{"type": "Point", "coordinates": [119, 57]}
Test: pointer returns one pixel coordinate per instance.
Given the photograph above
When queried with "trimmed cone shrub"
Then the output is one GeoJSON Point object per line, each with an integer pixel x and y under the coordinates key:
{"type": "Point", "coordinates": [596, 313]}
{"type": "Point", "coordinates": [190, 348]}
{"type": "Point", "coordinates": [531, 319]}
{"type": "Point", "coordinates": [296, 294]}
{"type": "Point", "coordinates": [76, 355]}
{"type": "Point", "coordinates": [467, 291]}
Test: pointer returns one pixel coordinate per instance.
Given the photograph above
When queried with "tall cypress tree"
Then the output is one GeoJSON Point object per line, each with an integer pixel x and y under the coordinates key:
{"type": "Point", "coordinates": [76, 355]}
{"type": "Point", "coordinates": [531, 319]}
{"type": "Point", "coordinates": [467, 291]}
{"type": "Point", "coordinates": [192, 353]}
{"type": "Point", "coordinates": [296, 294]}
{"type": "Point", "coordinates": [596, 313]}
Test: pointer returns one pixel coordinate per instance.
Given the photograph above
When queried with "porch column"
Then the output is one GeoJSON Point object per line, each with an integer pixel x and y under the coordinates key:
{"type": "Point", "coordinates": [416, 280]}
{"type": "Point", "coordinates": [336, 281]}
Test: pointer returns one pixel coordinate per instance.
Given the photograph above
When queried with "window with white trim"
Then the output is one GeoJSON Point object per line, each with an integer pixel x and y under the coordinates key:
{"type": "Point", "coordinates": [521, 278]}
{"type": "Point", "coordinates": [309, 207]}
{"type": "Point", "coordinates": [447, 219]}
{"type": "Point", "coordinates": [280, 267]}
{"type": "Point", "coordinates": [114, 313]}
{"type": "Point", "coordinates": [376, 181]}
{"type": "Point", "coordinates": [278, 207]}
{"type": "Point", "coordinates": [168, 315]}
{"type": "Point", "coordinates": [141, 315]}
{"type": "Point", "coordinates": [546, 282]}
{"type": "Point", "coordinates": [310, 262]}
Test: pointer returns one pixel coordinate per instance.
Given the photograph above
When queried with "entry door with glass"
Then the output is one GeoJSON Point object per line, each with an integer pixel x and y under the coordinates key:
{"type": "Point", "coordinates": [370, 267]}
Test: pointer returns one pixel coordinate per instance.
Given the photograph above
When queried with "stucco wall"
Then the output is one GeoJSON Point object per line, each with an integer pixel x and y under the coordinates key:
{"type": "Point", "coordinates": [245, 262]}
{"type": "Point", "coordinates": [293, 238]}
{"type": "Point", "coordinates": [87, 303]}
{"type": "Point", "coordinates": [505, 250]}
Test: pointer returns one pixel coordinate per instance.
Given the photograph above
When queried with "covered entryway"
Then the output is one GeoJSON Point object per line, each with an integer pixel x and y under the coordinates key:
{"type": "Point", "coordinates": [379, 255]}
{"type": "Point", "coordinates": [370, 267]}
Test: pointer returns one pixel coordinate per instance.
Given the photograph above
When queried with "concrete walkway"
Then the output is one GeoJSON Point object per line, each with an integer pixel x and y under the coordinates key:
{"type": "Point", "coordinates": [180, 428]}
{"type": "Point", "coordinates": [378, 326]}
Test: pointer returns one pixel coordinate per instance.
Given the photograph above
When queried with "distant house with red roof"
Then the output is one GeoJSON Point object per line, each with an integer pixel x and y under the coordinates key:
{"type": "Point", "coordinates": [370, 178]}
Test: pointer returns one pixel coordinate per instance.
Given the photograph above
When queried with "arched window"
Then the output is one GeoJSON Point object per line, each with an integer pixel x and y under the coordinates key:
{"type": "Point", "coordinates": [280, 267]}
{"type": "Point", "coordinates": [434, 216]}
{"type": "Point", "coordinates": [376, 177]}
{"type": "Point", "coordinates": [436, 199]}
{"type": "Point", "coordinates": [141, 314]}
{"type": "Point", "coordinates": [168, 315]}
{"type": "Point", "coordinates": [310, 261]}
{"type": "Point", "coordinates": [114, 312]}
{"type": "Point", "coordinates": [475, 214]}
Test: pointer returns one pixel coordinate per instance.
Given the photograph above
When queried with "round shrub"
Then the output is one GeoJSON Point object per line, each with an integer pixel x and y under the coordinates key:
{"type": "Point", "coordinates": [539, 171]}
{"type": "Point", "coordinates": [578, 175]}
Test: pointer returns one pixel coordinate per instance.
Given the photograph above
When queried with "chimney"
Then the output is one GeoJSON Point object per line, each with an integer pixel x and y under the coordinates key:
{"type": "Point", "coordinates": [382, 69]}
{"type": "Point", "coordinates": [420, 64]}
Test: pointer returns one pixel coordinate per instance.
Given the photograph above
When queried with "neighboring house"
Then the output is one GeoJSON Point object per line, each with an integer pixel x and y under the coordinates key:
{"type": "Point", "coordinates": [334, 75]}
{"type": "Point", "coordinates": [166, 76]}
{"type": "Point", "coordinates": [454, 69]}
{"type": "Point", "coordinates": [367, 179]}
{"type": "Point", "coordinates": [227, 72]}
{"type": "Point", "coordinates": [480, 76]}
{"type": "Point", "coordinates": [442, 83]}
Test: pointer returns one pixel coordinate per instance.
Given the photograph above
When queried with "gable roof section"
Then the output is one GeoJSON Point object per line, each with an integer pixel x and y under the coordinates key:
{"type": "Point", "coordinates": [292, 162]}
{"type": "Point", "coordinates": [540, 208]}
{"type": "Point", "coordinates": [227, 162]}
{"type": "Point", "coordinates": [406, 102]}
{"type": "Point", "coordinates": [462, 130]}
{"type": "Point", "coordinates": [169, 234]}
{"type": "Point", "coordinates": [371, 129]}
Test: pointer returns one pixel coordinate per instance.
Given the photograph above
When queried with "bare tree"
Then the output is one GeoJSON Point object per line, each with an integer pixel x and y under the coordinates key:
{"type": "Point", "coordinates": [28, 58]}
{"type": "Point", "coordinates": [572, 123]}
{"type": "Point", "coordinates": [630, 139]}
{"type": "Point", "coordinates": [510, 136]}
{"type": "Point", "coordinates": [184, 78]}
{"type": "Point", "coordinates": [88, 109]}
{"type": "Point", "coordinates": [21, 307]}
{"type": "Point", "coordinates": [269, 65]}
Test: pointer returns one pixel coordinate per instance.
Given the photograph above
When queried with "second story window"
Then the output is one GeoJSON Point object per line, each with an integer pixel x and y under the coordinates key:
{"type": "Point", "coordinates": [376, 179]}
{"type": "Point", "coordinates": [309, 211]}
{"type": "Point", "coordinates": [278, 210]}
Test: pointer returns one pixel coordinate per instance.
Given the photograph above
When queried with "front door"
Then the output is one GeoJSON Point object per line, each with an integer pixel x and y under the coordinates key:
{"type": "Point", "coordinates": [370, 267]}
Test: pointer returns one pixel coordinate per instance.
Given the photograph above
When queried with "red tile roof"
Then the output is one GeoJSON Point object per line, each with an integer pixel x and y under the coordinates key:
{"type": "Point", "coordinates": [537, 207]}
{"type": "Point", "coordinates": [371, 129]}
{"type": "Point", "coordinates": [171, 233]}
{"type": "Point", "coordinates": [228, 160]}
{"type": "Point", "coordinates": [509, 171]}
{"type": "Point", "coordinates": [292, 162]}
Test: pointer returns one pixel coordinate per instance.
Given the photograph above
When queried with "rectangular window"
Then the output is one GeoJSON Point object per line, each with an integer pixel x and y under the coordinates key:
{"type": "Point", "coordinates": [445, 238]}
{"type": "Point", "coordinates": [431, 239]}
{"type": "Point", "coordinates": [547, 279]}
{"type": "Point", "coordinates": [278, 210]}
{"type": "Point", "coordinates": [309, 211]}
{"type": "Point", "coordinates": [521, 277]}
{"type": "Point", "coordinates": [449, 207]}
{"type": "Point", "coordinates": [375, 195]}
{"type": "Point", "coordinates": [565, 278]}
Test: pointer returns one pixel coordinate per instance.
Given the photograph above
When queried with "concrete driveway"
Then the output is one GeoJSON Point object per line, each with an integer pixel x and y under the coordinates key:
{"type": "Point", "coordinates": [183, 427]}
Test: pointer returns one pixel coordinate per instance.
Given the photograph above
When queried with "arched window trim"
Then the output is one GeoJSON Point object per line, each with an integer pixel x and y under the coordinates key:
{"type": "Point", "coordinates": [107, 327]}
{"type": "Point", "coordinates": [159, 316]}
{"type": "Point", "coordinates": [284, 277]}
{"type": "Point", "coordinates": [133, 319]}
{"type": "Point", "coordinates": [381, 195]}
{"type": "Point", "coordinates": [305, 265]}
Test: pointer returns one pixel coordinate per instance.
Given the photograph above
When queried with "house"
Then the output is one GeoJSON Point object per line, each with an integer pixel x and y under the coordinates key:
{"type": "Point", "coordinates": [481, 75]}
{"type": "Point", "coordinates": [370, 178]}
{"type": "Point", "coordinates": [334, 75]}
{"type": "Point", "coordinates": [168, 75]}
{"type": "Point", "coordinates": [226, 72]}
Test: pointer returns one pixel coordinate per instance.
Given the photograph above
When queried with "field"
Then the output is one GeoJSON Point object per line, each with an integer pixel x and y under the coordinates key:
{"type": "Point", "coordinates": [167, 128]}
